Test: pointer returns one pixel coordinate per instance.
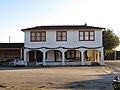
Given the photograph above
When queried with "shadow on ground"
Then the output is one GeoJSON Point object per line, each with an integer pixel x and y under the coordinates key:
{"type": "Point", "coordinates": [98, 84]}
{"type": "Point", "coordinates": [36, 67]}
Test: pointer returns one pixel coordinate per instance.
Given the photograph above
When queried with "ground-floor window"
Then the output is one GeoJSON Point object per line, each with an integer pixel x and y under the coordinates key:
{"type": "Point", "coordinates": [70, 54]}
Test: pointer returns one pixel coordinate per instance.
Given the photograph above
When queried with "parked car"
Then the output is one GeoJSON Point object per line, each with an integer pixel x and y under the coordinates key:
{"type": "Point", "coordinates": [17, 62]}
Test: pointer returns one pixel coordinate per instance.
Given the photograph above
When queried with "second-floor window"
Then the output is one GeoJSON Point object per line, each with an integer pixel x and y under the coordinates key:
{"type": "Point", "coordinates": [38, 36]}
{"type": "Point", "coordinates": [61, 36]}
{"type": "Point", "coordinates": [86, 35]}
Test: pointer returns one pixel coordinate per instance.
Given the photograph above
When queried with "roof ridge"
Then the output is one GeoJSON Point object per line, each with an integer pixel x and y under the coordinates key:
{"type": "Point", "coordinates": [63, 27]}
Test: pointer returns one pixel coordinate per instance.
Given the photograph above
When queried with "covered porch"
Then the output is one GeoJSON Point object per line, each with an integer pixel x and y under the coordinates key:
{"type": "Point", "coordinates": [10, 51]}
{"type": "Point", "coordinates": [63, 56]}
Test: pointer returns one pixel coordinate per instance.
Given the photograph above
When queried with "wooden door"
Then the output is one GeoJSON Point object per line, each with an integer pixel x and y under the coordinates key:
{"type": "Point", "coordinates": [31, 56]}
{"type": "Point", "coordinates": [39, 56]}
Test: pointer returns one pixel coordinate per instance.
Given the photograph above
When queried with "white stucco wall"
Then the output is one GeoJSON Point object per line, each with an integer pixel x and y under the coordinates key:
{"type": "Point", "coordinates": [72, 39]}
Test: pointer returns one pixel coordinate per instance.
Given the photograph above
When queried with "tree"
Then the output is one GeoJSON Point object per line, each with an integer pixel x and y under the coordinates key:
{"type": "Point", "coordinates": [110, 40]}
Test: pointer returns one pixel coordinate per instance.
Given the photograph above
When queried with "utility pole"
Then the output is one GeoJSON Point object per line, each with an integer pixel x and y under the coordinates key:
{"type": "Point", "coordinates": [9, 39]}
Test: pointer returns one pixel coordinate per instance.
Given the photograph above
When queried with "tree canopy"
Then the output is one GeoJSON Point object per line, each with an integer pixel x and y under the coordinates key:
{"type": "Point", "coordinates": [110, 40]}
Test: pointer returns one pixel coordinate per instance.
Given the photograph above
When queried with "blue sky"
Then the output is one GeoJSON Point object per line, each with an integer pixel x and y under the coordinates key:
{"type": "Point", "coordinates": [19, 14]}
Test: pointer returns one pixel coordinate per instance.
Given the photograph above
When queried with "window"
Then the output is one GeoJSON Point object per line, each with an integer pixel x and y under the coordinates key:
{"type": "Point", "coordinates": [70, 54]}
{"type": "Point", "coordinates": [61, 36]}
{"type": "Point", "coordinates": [91, 35]}
{"type": "Point", "coordinates": [38, 36]}
{"type": "Point", "coordinates": [86, 36]}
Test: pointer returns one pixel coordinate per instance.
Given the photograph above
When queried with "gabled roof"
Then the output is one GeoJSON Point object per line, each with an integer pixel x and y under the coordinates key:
{"type": "Point", "coordinates": [62, 27]}
{"type": "Point", "coordinates": [11, 45]}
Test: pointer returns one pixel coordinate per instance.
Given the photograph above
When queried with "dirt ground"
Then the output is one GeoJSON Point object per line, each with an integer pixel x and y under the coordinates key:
{"type": "Point", "coordinates": [57, 78]}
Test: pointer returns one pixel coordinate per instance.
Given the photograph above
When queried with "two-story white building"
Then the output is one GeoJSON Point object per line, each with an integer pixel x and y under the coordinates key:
{"type": "Point", "coordinates": [63, 45]}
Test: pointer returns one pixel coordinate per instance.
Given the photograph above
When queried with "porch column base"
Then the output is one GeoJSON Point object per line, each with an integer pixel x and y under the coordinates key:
{"type": "Point", "coordinates": [102, 63]}
{"type": "Point", "coordinates": [82, 63]}
{"type": "Point", "coordinates": [44, 64]}
{"type": "Point", "coordinates": [63, 63]}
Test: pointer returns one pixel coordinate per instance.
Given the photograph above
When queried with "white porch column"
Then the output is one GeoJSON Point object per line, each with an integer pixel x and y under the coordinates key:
{"type": "Point", "coordinates": [102, 57]}
{"type": "Point", "coordinates": [95, 53]}
{"type": "Point", "coordinates": [82, 56]}
{"type": "Point", "coordinates": [98, 56]}
{"type": "Point", "coordinates": [44, 61]}
{"type": "Point", "coordinates": [63, 58]}
{"type": "Point", "coordinates": [25, 59]}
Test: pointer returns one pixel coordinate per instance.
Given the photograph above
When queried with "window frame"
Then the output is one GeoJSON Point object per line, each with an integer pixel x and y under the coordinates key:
{"type": "Point", "coordinates": [88, 36]}
{"type": "Point", "coordinates": [36, 37]}
{"type": "Point", "coordinates": [61, 35]}
{"type": "Point", "coordinates": [69, 53]}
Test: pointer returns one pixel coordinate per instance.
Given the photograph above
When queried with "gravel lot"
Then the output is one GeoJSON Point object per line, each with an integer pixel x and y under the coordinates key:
{"type": "Point", "coordinates": [57, 78]}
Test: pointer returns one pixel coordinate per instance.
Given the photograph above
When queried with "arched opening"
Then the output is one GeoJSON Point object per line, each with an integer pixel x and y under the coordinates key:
{"type": "Point", "coordinates": [92, 55]}
{"type": "Point", "coordinates": [35, 56]}
{"type": "Point", "coordinates": [73, 56]}
{"type": "Point", "coordinates": [54, 55]}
